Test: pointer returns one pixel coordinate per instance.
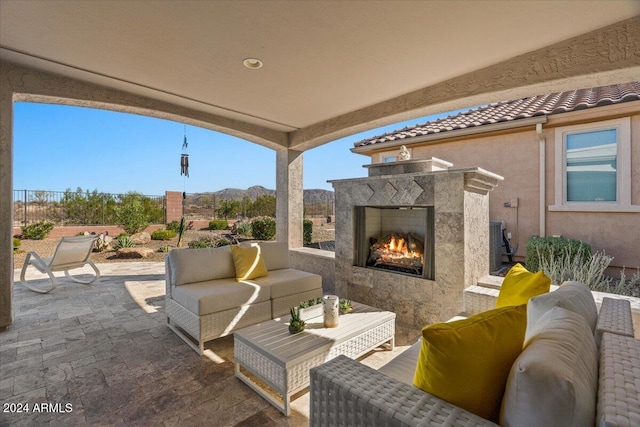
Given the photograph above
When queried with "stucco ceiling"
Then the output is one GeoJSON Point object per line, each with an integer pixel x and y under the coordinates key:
{"type": "Point", "coordinates": [323, 60]}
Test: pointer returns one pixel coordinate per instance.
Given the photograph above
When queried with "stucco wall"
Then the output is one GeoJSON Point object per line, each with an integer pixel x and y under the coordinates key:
{"type": "Point", "coordinates": [515, 156]}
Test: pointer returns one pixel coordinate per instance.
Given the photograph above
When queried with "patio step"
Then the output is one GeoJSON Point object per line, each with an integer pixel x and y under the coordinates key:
{"type": "Point", "coordinates": [489, 281]}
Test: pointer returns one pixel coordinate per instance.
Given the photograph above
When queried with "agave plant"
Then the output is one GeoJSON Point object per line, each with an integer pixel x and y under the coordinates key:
{"type": "Point", "coordinates": [124, 242]}
{"type": "Point", "coordinates": [296, 324]}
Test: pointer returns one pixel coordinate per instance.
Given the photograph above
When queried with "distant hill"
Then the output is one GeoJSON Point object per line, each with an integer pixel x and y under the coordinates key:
{"type": "Point", "coordinates": [310, 196]}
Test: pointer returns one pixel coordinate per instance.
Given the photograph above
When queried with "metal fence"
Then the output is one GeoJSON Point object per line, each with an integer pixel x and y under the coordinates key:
{"type": "Point", "coordinates": [79, 207]}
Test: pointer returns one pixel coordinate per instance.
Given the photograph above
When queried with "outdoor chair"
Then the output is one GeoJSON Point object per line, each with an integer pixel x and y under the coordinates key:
{"type": "Point", "coordinates": [70, 253]}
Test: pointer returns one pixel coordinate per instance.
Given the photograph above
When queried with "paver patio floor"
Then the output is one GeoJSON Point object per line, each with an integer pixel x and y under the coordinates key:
{"type": "Point", "coordinates": [102, 355]}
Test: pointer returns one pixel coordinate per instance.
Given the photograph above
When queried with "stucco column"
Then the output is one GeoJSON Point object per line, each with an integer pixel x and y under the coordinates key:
{"type": "Point", "coordinates": [6, 203]}
{"type": "Point", "coordinates": [289, 193]}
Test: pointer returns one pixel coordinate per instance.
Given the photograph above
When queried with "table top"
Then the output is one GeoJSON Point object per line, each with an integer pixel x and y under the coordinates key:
{"type": "Point", "coordinates": [272, 338]}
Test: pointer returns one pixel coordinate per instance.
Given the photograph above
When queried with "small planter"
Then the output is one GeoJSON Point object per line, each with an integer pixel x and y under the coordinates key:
{"type": "Point", "coordinates": [311, 312]}
{"type": "Point", "coordinates": [294, 329]}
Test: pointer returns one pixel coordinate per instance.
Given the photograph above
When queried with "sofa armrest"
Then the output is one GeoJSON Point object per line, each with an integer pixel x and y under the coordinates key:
{"type": "Point", "coordinates": [344, 392]}
{"type": "Point", "coordinates": [619, 381]}
{"type": "Point", "coordinates": [615, 316]}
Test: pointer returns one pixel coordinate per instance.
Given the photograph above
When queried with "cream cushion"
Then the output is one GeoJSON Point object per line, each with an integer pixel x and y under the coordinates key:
{"type": "Point", "coordinates": [275, 255]}
{"type": "Point", "coordinates": [554, 381]}
{"type": "Point", "coordinates": [574, 296]}
{"type": "Point", "coordinates": [218, 295]}
{"type": "Point", "coordinates": [199, 265]}
{"type": "Point", "coordinates": [288, 281]}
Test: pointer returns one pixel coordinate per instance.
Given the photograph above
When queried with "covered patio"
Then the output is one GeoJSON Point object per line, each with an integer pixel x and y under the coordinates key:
{"type": "Point", "coordinates": [105, 350]}
{"type": "Point", "coordinates": [326, 70]}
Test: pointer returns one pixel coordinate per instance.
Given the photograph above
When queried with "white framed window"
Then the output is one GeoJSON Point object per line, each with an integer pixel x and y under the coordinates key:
{"type": "Point", "coordinates": [593, 167]}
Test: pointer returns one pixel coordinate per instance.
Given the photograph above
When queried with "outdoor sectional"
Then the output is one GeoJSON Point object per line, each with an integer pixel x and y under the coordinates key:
{"type": "Point", "coordinates": [204, 300]}
{"type": "Point", "coordinates": [345, 392]}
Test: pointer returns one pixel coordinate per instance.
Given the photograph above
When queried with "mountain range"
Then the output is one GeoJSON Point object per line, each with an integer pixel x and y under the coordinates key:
{"type": "Point", "coordinates": [311, 196]}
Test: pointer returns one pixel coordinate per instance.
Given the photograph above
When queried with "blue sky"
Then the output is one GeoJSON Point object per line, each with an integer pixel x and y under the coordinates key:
{"type": "Point", "coordinates": [58, 147]}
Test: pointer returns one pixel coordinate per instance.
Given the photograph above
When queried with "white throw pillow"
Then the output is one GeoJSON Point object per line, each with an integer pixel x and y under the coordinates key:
{"type": "Point", "coordinates": [574, 296]}
{"type": "Point", "coordinates": [554, 381]}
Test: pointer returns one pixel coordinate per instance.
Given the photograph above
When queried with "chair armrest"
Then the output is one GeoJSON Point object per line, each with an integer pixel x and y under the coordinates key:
{"type": "Point", "coordinates": [344, 392]}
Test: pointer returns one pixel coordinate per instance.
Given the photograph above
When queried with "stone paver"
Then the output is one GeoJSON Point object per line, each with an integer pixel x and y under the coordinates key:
{"type": "Point", "coordinates": [103, 355]}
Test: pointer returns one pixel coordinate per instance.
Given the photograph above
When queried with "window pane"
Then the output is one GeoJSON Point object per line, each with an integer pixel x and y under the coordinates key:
{"type": "Point", "coordinates": [592, 166]}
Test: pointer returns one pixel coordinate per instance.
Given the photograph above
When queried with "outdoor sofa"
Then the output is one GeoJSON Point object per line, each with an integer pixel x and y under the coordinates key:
{"type": "Point", "coordinates": [344, 392]}
{"type": "Point", "coordinates": [206, 300]}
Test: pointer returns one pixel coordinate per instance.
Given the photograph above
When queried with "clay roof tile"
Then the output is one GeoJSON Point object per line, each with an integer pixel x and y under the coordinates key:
{"type": "Point", "coordinates": [498, 112]}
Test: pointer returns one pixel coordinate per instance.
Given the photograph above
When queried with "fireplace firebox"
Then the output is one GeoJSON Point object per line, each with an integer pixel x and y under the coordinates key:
{"type": "Point", "coordinates": [398, 239]}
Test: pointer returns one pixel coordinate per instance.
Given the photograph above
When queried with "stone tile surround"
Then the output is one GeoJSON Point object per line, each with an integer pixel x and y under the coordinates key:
{"type": "Point", "coordinates": [461, 214]}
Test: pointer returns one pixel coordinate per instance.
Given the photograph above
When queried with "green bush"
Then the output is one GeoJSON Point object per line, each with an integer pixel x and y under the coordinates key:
{"type": "Point", "coordinates": [218, 224]}
{"type": "Point", "coordinates": [263, 228]}
{"type": "Point", "coordinates": [546, 249]}
{"type": "Point", "coordinates": [37, 231]}
{"type": "Point", "coordinates": [123, 242]}
{"type": "Point", "coordinates": [174, 225]}
{"type": "Point", "coordinates": [163, 235]}
{"type": "Point", "coordinates": [16, 244]}
{"type": "Point", "coordinates": [131, 212]}
{"type": "Point", "coordinates": [208, 242]}
{"type": "Point", "coordinates": [307, 231]}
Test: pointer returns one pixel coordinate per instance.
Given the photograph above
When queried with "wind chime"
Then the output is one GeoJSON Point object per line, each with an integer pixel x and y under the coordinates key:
{"type": "Point", "coordinates": [184, 157]}
{"type": "Point", "coordinates": [184, 170]}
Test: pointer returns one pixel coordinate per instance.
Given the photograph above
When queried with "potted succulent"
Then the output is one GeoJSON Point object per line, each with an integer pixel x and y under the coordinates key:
{"type": "Point", "coordinates": [345, 306]}
{"type": "Point", "coordinates": [310, 309]}
{"type": "Point", "coordinates": [295, 323]}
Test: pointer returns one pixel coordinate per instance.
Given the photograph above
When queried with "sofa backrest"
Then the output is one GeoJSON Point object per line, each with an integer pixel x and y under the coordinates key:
{"type": "Point", "coordinates": [275, 255]}
{"type": "Point", "coordinates": [199, 265]}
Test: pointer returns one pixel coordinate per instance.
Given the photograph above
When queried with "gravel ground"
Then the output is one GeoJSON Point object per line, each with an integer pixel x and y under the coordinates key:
{"type": "Point", "coordinates": [45, 247]}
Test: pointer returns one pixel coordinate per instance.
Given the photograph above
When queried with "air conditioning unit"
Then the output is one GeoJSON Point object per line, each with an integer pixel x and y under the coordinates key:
{"type": "Point", "coordinates": [495, 246]}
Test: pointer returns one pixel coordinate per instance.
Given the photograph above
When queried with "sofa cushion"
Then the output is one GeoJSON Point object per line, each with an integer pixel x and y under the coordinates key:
{"type": "Point", "coordinates": [248, 262]}
{"type": "Point", "coordinates": [218, 295]}
{"type": "Point", "coordinates": [275, 255]}
{"type": "Point", "coordinates": [554, 380]}
{"type": "Point", "coordinates": [520, 285]}
{"type": "Point", "coordinates": [403, 366]}
{"type": "Point", "coordinates": [199, 265]}
{"type": "Point", "coordinates": [288, 281]}
{"type": "Point", "coordinates": [574, 296]}
{"type": "Point", "coordinates": [467, 362]}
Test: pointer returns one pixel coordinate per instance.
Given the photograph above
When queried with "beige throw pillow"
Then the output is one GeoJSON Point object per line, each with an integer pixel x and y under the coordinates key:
{"type": "Point", "coordinates": [554, 381]}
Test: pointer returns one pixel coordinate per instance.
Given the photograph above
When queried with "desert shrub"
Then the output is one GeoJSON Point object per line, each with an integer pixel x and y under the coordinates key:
{"type": "Point", "coordinates": [590, 270]}
{"type": "Point", "coordinates": [37, 231]}
{"type": "Point", "coordinates": [241, 228]}
{"type": "Point", "coordinates": [164, 248]}
{"type": "Point", "coordinates": [543, 250]}
{"type": "Point", "coordinates": [218, 224]}
{"type": "Point", "coordinates": [131, 213]}
{"type": "Point", "coordinates": [122, 235]}
{"type": "Point", "coordinates": [174, 225]}
{"type": "Point", "coordinates": [123, 242]}
{"type": "Point", "coordinates": [307, 231]}
{"type": "Point", "coordinates": [16, 244]}
{"type": "Point", "coordinates": [208, 242]}
{"type": "Point", "coordinates": [263, 228]}
{"type": "Point", "coordinates": [163, 235]}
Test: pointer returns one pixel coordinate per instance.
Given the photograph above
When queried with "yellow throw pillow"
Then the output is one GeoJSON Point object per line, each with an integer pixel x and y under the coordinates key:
{"type": "Point", "coordinates": [520, 285]}
{"type": "Point", "coordinates": [249, 263]}
{"type": "Point", "coordinates": [467, 362]}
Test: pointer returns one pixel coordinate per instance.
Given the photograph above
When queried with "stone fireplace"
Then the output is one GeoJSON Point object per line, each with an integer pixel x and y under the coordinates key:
{"type": "Point", "coordinates": [411, 236]}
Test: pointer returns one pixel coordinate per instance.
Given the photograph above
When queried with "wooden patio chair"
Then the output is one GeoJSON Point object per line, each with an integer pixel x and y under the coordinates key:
{"type": "Point", "coordinates": [70, 253]}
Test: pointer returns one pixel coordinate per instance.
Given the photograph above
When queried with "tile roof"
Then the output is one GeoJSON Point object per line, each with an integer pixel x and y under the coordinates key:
{"type": "Point", "coordinates": [505, 111]}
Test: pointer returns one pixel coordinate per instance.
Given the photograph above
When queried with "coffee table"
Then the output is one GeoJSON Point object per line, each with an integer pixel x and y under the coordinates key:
{"type": "Point", "coordinates": [282, 361]}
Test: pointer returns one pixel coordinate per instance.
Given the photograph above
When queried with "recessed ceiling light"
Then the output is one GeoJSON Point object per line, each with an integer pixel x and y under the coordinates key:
{"type": "Point", "coordinates": [252, 63]}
